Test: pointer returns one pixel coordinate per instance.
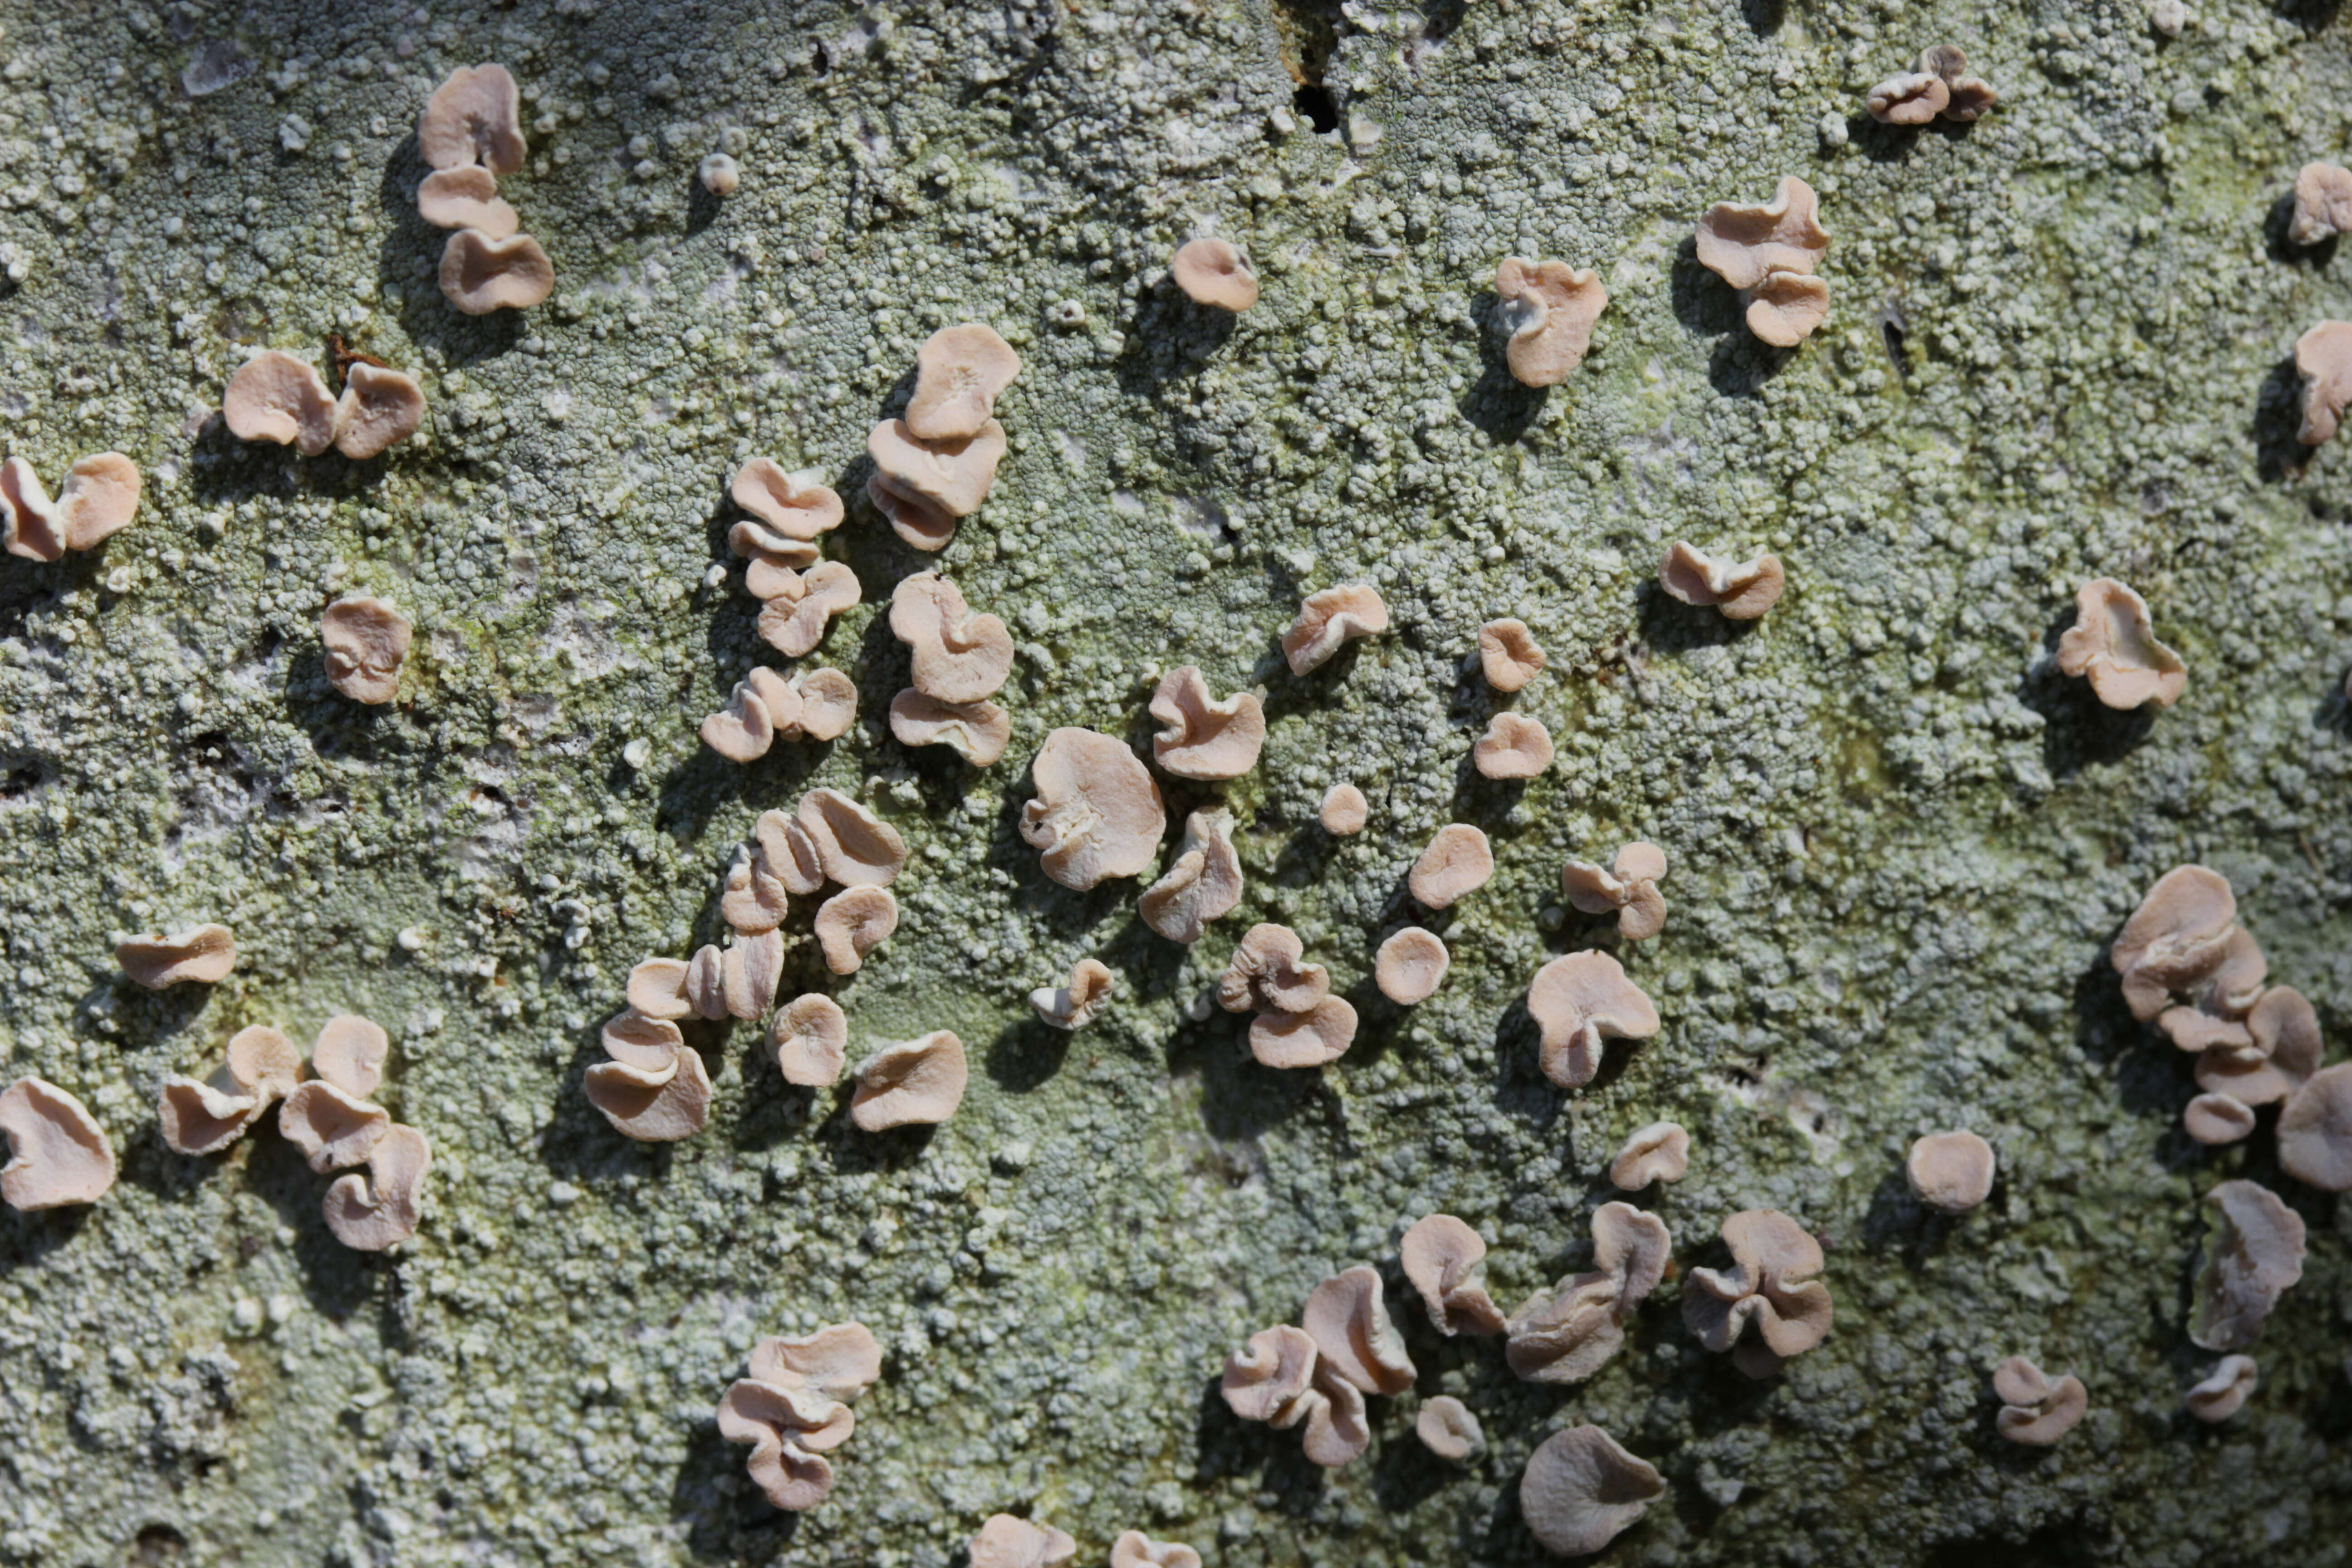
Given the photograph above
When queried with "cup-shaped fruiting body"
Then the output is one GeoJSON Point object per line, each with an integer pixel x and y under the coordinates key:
{"type": "Point", "coordinates": [1567, 1334]}
{"type": "Point", "coordinates": [705, 983]}
{"type": "Point", "coordinates": [1787, 308]}
{"type": "Point", "coordinates": [2255, 1254]}
{"type": "Point", "coordinates": [1741, 244]}
{"type": "Point", "coordinates": [752, 964]}
{"type": "Point", "coordinates": [2180, 924]}
{"type": "Point", "coordinates": [379, 406]}
{"type": "Point", "coordinates": [205, 1117]}
{"type": "Point", "coordinates": [465, 197]}
{"type": "Point", "coordinates": [915, 520]}
{"type": "Point", "coordinates": [1968, 96]}
{"type": "Point", "coordinates": [795, 1404]}
{"type": "Point", "coordinates": [29, 523]}
{"type": "Point", "coordinates": [2217, 1118]}
{"type": "Point", "coordinates": [958, 372]}
{"type": "Point", "coordinates": [2315, 1130]}
{"type": "Point", "coordinates": [1313, 1038]}
{"type": "Point", "coordinates": [753, 898]}
{"type": "Point", "coordinates": [951, 476]}
{"type": "Point", "coordinates": [1074, 1006]}
{"type": "Point", "coordinates": [775, 559]}
{"type": "Point", "coordinates": [1096, 813]}
{"type": "Point", "coordinates": [2036, 1409]}
{"type": "Point", "coordinates": [1268, 971]}
{"type": "Point", "coordinates": [1951, 1172]}
{"type": "Point", "coordinates": [1657, 1153]}
{"type": "Point", "coordinates": [782, 846]}
{"type": "Point", "coordinates": [349, 1053]}
{"type": "Point", "coordinates": [330, 1119]}
{"type": "Point", "coordinates": [1758, 249]}
{"type": "Point", "coordinates": [956, 656]}
{"type": "Point", "coordinates": [1134, 1549]}
{"type": "Point", "coordinates": [912, 1082]}
{"type": "Point", "coordinates": [1328, 620]}
{"type": "Point", "coordinates": [705, 989]}
{"type": "Point", "coordinates": [796, 507]}
{"type": "Point", "coordinates": [853, 923]}
{"type": "Point", "coordinates": [1548, 307]}
{"type": "Point", "coordinates": [1627, 889]}
{"type": "Point", "coordinates": [2183, 942]}
{"type": "Point", "coordinates": [2323, 204]}
{"type": "Point", "coordinates": [754, 901]}
{"type": "Point", "coordinates": [2323, 356]}
{"type": "Point", "coordinates": [2113, 643]}
{"type": "Point", "coordinates": [97, 500]}
{"type": "Point", "coordinates": [1344, 811]}
{"type": "Point", "coordinates": [1332, 1411]}
{"type": "Point", "coordinates": [1349, 1322]}
{"type": "Point", "coordinates": [1908, 98]}
{"type": "Point", "coordinates": [2225, 1390]}
{"type": "Point", "coordinates": [2281, 1052]}
{"type": "Point", "coordinates": [656, 1089]}
{"type": "Point", "coordinates": [837, 1363]}
{"type": "Point", "coordinates": [200, 1117]}
{"type": "Point", "coordinates": [1442, 1257]}
{"type": "Point", "coordinates": [203, 954]}
{"type": "Point", "coordinates": [277, 398]}
{"type": "Point", "coordinates": [1447, 1428]}
{"type": "Point", "coordinates": [840, 1360]}
{"type": "Point", "coordinates": [976, 731]}
{"type": "Point", "coordinates": [719, 175]}
{"type": "Point", "coordinates": [2215, 1017]}
{"type": "Point", "coordinates": [854, 847]}
{"type": "Point", "coordinates": [58, 1153]}
{"type": "Point", "coordinates": [1202, 882]}
{"type": "Point", "coordinates": [808, 704]}
{"type": "Point", "coordinates": [813, 1417]}
{"type": "Point", "coordinates": [1770, 1286]}
{"type": "Point", "coordinates": [788, 1427]}
{"type": "Point", "coordinates": [1580, 1490]}
{"type": "Point", "coordinates": [793, 621]}
{"type": "Point", "coordinates": [473, 116]}
{"type": "Point", "coordinates": [656, 988]}
{"type": "Point", "coordinates": [744, 729]}
{"type": "Point", "coordinates": [1739, 590]}
{"type": "Point", "coordinates": [810, 1036]}
{"type": "Point", "coordinates": [1579, 1001]}
{"type": "Point", "coordinates": [331, 1125]}
{"type": "Point", "coordinates": [1006, 1541]}
{"type": "Point", "coordinates": [628, 1036]}
{"type": "Point", "coordinates": [1514, 747]}
{"type": "Point", "coordinates": [382, 1209]}
{"type": "Point", "coordinates": [1509, 654]}
{"type": "Point", "coordinates": [479, 275]}
{"type": "Point", "coordinates": [1204, 738]}
{"type": "Point", "coordinates": [1456, 863]}
{"type": "Point", "coordinates": [1213, 272]}
{"type": "Point", "coordinates": [1411, 966]}
{"type": "Point", "coordinates": [365, 640]}
{"type": "Point", "coordinates": [1266, 1380]}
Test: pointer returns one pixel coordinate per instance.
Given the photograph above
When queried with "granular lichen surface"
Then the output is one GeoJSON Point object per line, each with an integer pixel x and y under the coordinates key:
{"type": "Point", "coordinates": [2058, 348]}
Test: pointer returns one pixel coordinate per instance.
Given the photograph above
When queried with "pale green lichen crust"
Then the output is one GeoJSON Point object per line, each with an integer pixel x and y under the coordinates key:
{"type": "Point", "coordinates": [2057, 348]}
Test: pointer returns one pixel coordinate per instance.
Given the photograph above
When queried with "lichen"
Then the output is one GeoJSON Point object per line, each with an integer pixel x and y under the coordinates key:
{"type": "Point", "coordinates": [2059, 347]}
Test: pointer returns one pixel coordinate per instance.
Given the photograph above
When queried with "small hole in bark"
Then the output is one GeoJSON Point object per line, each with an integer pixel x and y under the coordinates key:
{"type": "Point", "coordinates": [1313, 100]}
